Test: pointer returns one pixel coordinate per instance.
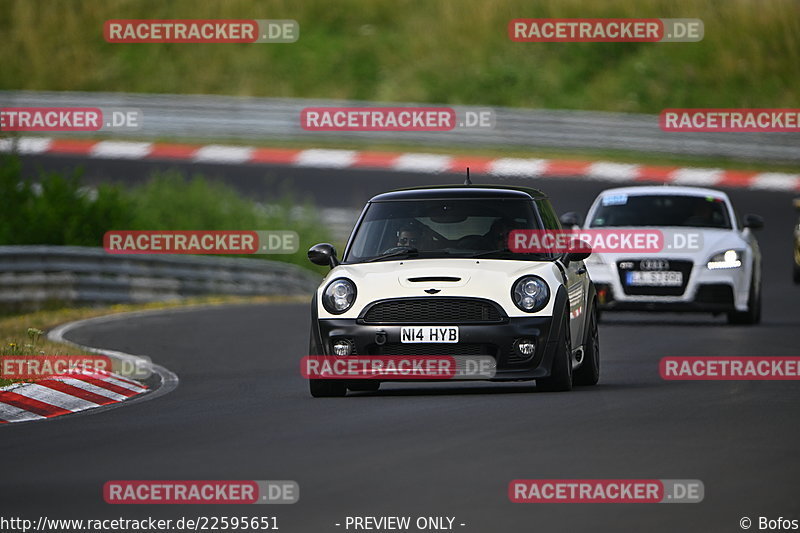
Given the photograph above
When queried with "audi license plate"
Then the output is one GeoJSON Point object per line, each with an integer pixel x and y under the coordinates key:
{"type": "Point", "coordinates": [655, 278]}
{"type": "Point", "coordinates": [409, 334]}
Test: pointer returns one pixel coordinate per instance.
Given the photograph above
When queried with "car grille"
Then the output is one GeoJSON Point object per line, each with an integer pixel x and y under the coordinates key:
{"type": "Point", "coordinates": [433, 310]}
{"type": "Point", "coordinates": [638, 290]}
{"type": "Point", "coordinates": [454, 349]}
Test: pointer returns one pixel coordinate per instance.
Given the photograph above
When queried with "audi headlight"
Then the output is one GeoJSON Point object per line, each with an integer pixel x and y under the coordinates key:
{"type": "Point", "coordinates": [726, 259]}
{"type": "Point", "coordinates": [339, 296]}
{"type": "Point", "coordinates": [530, 293]}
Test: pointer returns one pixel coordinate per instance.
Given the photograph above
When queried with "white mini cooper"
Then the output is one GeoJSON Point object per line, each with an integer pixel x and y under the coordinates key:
{"type": "Point", "coordinates": [434, 261]}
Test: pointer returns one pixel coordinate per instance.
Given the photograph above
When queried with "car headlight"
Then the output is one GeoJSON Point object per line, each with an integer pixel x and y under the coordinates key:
{"type": "Point", "coordinates": [339, 296]}
{"type": "Point", "coordinates": [530, 293]}
{"type": "Point", "coordinates": [726, 259]}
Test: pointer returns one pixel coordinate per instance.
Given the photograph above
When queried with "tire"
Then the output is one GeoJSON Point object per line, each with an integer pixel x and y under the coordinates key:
{"type": "Point", "coordinates": [560, 379]}
{"type": "Point", "coordinates": [364, 385]}
{"type": "Point", "coordinates": [327, 388]}
{"type": "Point", "coordinates": [753, 313]}
{"type": "Point", "coordinates": [589, 372]}
{"type": "Point", "coordinates": [796, 272]}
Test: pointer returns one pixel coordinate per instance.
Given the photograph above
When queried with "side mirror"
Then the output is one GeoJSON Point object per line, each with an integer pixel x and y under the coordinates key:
{"type": "Point", "coordinates": [571, 219]}
{"type": "Point", "coordinates": [579, 251]}
{"type": "Point", "coordinates": [323, 254]}
{"type": "Point", "coordinates": [753, 222]}
{"type": "Point", "coordinates": [577, 256]}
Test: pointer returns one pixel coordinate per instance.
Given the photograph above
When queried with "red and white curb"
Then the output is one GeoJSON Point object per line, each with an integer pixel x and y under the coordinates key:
{"type": "Point", "coordinates": [76, 392]}
{"type": "Point", "coordinates": [408, 162]}
{"type": "Point", "coordinates": [64, 394]}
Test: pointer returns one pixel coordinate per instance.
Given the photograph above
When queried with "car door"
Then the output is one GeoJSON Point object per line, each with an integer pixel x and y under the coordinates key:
{"type": "Point", "coordinates": [576, 279]}
{"type": "Point", "coordinates": [577, 284]}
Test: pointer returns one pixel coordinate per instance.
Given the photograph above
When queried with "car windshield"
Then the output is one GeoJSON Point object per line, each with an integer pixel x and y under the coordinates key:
{"type": "Point", "coordinates": [441, 228]}
{"type": "Point", "coordinates": [661, 210]}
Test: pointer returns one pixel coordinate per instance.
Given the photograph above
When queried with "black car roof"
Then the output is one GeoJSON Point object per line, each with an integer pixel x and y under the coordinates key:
{"type": "Point", "coordinates": [439, 192]}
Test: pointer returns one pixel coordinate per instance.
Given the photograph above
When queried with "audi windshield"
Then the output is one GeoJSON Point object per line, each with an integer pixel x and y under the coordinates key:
{"type": "Point", "coordinates": [661, 210]}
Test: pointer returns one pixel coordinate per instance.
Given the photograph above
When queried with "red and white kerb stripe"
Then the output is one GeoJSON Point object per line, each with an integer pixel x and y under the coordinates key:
{"type": "Point", "coordinates": [408, 162]}
{"type": "Point", "coordinates": [64, 394]}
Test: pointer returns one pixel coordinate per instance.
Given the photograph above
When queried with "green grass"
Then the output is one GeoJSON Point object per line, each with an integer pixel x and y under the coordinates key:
{"type": "Point", "coordinates": [438, 51]}
{"type": "Point", "coordinates": [22, 334]}
{"type": "Point", "coordinates": [54, 209]}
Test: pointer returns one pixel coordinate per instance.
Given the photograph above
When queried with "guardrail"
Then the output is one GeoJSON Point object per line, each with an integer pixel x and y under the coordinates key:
{"type": "Point", "coordinates": [231, 118]}
{"type": "Point", "coordinates": [32, 277]}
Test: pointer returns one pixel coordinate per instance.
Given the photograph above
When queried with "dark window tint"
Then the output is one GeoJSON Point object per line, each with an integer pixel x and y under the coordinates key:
{"type": "Point", "coordinates": [549, 218]}
{"type": "Point", "coordinates": [442, 228]}
{"type": "Point", "coordinates": [661, 210]}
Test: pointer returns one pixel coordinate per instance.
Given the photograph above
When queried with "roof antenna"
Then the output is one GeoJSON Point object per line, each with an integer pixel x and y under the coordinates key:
{"type": "Point", "coordinates": [467, 181]}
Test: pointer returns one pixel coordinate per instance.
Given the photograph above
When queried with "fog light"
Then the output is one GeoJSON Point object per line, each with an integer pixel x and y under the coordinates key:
{"type": "Point", "coordinates": [526, 347]}
{"type": "Point", "coordinates": [342, 347]}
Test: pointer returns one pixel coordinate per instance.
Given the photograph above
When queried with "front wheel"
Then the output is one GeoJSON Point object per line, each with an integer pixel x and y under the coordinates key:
{"type": "Point", "coordinates": [589, 371]}
{"type": "Point", "coordinates": [796, 271]}
{"type": "Point", "coordinates": [561, 373]}
{"type": "Point", "coordinates": [753, 313]}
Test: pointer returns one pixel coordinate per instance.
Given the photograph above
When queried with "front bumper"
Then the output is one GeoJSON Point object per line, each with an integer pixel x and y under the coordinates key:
{"type": "Point", "coordinates": [708, 291]}
{"type": "Point", "coordinates": [710, 299]}
{"type": "Point", "coordinates": [495, 340]}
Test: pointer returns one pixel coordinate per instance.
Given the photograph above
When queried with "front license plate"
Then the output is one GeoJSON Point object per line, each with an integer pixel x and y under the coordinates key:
{"type": "Point", "coordinates": [656, 278]}
{"type": "Point", "coordinates": [411, 334]}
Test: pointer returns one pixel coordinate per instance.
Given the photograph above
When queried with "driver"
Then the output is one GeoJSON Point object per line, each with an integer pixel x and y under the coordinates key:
{"type": "Point", "coordinates": [498, 233]}
{"type": "Point", "coordinates": [702, 215]}
{"type": "Point", "coordinates": [408, 236]}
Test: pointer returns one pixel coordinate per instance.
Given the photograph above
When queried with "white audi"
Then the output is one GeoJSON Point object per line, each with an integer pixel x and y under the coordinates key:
{"type": "Point", "coordinates": [710, 261]}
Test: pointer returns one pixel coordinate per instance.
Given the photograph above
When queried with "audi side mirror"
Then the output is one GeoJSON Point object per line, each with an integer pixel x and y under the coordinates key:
{"type": "Point", "coordinates": [753, 222]}
{"type": "Point", "coordinates": [571, 219]}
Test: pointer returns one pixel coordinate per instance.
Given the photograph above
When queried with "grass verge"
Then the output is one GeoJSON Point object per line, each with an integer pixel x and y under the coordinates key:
{"type": "Point", "coordinates": [55, 209]}
{"type": "Point", "coordinates": [24, 334]}
{"type": "Point", "coordinates": [435, 51]}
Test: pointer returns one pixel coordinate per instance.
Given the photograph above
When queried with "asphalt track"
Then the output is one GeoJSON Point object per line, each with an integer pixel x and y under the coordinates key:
{"type": "Point", "coordinates": [242, 411]}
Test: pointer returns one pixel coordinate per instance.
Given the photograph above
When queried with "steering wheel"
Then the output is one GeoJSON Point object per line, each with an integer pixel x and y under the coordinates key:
{"type": "Point", "coordinates": [394, 249]}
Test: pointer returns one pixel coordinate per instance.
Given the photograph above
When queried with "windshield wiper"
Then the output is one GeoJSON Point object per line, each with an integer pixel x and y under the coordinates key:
{"type": "Point", "coordinates": [503, 251]}
{"type": "Point", "coordinates": [399, 251]}
{"type": "Point", "coordinates": [490, 252]}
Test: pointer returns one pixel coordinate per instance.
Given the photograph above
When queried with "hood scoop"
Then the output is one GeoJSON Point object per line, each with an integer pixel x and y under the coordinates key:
{"type": "Point", "coordinates": [434, 278]}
